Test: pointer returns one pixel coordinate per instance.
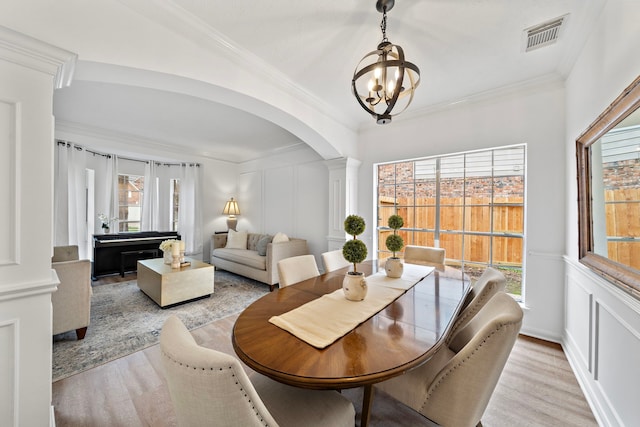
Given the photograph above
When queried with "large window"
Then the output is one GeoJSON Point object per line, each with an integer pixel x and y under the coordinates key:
{"type": "Point", "coordinates": [130, 190]}
{"type": "Point", "coordinates": [470, 204]}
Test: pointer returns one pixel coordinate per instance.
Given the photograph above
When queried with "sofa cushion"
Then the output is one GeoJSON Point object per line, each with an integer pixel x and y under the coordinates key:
{"type": "Point", "coordinates": [280, 237]}
{"type": "Point", "coordinates": [242, 256]}
{"type": "Point", "coordinates": [252, 241]}
{"type": "Point", "coordinates": [261, 247]}
{"type": "Point", "coordinates": [236, 240]}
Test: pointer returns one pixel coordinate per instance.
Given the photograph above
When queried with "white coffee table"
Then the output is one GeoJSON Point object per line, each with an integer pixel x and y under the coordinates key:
{"type": "Point", "coordinates": [168, 286]}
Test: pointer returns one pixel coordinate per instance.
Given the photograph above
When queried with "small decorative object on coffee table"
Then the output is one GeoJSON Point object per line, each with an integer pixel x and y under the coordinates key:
{"type": "Point", "coordinates": [167, 247]}
{"type": "Point", "coordinates": [175, 253]}
{"type": "Point", "coordinates": [354, 251]}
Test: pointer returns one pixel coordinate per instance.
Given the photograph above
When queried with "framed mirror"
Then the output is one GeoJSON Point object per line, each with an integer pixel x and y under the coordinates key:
{"type": "Point", "coordinates": [608, 155]}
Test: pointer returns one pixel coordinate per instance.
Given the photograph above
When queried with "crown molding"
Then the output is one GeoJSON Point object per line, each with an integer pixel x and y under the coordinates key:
{"type": "Point", "coordinates": [40, 56]}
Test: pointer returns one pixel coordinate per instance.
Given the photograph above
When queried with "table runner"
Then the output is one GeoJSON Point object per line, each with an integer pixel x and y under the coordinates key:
{"type": "Point", "coordinates": [324, 320]}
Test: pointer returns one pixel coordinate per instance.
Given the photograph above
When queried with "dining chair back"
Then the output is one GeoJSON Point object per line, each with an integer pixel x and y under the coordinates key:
{"type": "Point", "coordinates": [334, 260]}
{"type": "Point", "coordinates": [454, 387]}
{"type": "Point", "coordinates": [296, 269]}
{"type": "Point", "coordinates": [488, 284]}
{"type": "Point", "coordinates": [210, 387]}
{"type": "Point", "coordinates": [425, 255]}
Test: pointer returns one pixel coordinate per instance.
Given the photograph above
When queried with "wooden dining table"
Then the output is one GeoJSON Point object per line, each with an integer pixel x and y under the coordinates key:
{"type": "Point", "coordinates": [403, 335]}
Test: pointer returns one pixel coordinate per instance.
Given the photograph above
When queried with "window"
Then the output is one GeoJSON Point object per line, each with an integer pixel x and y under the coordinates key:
{"type": "Point", "coordinates": [130, 190]}
{"type": "Point", "coordinates": [174, 192]}
{"type": "Point", "coordinates": [470, 204]}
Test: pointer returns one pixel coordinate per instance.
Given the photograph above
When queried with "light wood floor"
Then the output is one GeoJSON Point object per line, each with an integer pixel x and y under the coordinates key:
{"type": "Point", "coordinates": [537, 388]}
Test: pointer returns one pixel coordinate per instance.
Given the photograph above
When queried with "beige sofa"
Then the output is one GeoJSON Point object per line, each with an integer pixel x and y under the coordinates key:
{"type": "Point", "coordinates": [72, 301]}
{"type": "Point", "coordinates": [247, 262]}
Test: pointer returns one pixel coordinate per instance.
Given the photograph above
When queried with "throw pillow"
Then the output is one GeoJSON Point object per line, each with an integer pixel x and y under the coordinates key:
{"type": "Point", "coordinates": [261, 247]}
{"type": "Point", "coordinates": [279, 238]}
{"type": "Point", "coordinates": [236, 240]}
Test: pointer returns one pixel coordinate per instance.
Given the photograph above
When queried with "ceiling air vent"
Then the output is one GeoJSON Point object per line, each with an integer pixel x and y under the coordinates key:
{"type": "Point", "coordinates": [543, 34]}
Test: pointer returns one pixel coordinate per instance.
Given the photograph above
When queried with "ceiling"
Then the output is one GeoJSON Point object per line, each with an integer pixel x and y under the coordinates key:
{"type": "Point", "coordinates": [464, 48]}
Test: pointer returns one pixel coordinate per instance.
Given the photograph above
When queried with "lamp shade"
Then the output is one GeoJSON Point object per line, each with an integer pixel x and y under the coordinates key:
{"type": "Point", "coordinates": [231, 208]}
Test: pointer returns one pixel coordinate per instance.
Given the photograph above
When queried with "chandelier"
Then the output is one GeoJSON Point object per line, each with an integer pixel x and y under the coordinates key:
{"type": "Point", "coordinates": [383, 78]}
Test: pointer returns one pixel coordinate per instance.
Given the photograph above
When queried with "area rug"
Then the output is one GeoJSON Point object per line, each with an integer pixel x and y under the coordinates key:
{"type": "Point", "coordinates": [125, 320]}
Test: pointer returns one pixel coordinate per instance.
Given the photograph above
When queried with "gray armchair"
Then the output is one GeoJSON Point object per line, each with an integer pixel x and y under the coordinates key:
{"type": "Point", "coordinates": [72, 301]}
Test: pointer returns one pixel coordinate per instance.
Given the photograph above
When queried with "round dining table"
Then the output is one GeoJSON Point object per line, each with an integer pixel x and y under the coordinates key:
{"type": "Point", "coordinates": [403, 335]}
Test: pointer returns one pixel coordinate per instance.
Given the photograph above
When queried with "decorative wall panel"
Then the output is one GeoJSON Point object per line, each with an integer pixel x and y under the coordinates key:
{"type": "Point", "coordinates": [9, 180]}
{"type": "Point", "coordinates": [578, 320]}
{"type": "Point", "coordinates": [8, 369]}
{"type": "Point", "coordinates": [617, 354]}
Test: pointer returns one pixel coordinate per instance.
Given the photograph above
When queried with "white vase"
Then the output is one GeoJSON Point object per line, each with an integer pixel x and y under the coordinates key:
{"type": "Point", "coordinates": [168, 257]}
{"type": "Point", "coordinates": [354, 286]}
{"type": "Point", "coordinates": [394, 267]}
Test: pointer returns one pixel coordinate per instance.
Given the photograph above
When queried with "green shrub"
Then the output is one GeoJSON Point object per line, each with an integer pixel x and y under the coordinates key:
{"type": "Point", "coordinates": [354, 225]}
{"type": "Point", "coordinates": [395, 242]}
{"type": "Point", "coordinates": [355, 250]}
{"type": "Point", "coordinates": [395, 222]}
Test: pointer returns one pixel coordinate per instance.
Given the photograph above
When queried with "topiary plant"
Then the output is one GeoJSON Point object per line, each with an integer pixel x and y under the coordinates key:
{"type": "Point", "coordinates": [355, 250]}
{"type": "Point", "coordinates": [395, 242]}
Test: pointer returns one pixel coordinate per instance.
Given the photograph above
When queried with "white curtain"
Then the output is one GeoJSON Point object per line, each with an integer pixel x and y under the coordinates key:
{"type": "Point", "coordinates": [70, 200]}
{"type": "Point", "coordinates": [104, 166]}
{"type": "Point", "coordinates": [190, 215]}
{"type": "Point", "coordinates": [110, 192]}
{"type": "Point", "coordinates": [150, 201]}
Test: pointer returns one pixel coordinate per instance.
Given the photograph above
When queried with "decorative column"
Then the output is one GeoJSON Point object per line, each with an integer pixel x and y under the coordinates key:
{"type": "Point", "coordinates": [343, 188]}
{"type": "Point", "coordinates": [30, 70]}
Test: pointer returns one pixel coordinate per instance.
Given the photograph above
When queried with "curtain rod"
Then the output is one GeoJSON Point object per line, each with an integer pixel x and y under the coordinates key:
{"type": "Point", "coordinates": [108, 156]}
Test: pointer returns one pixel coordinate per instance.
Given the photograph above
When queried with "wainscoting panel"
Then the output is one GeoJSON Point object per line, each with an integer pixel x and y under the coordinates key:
{"type": "Point", "coordinates": [604, 322]}
{"type": "Point", "coordinates": [617, 355]}
{"type": "Point", "coordinates": [9, 178]}
{"type": "Point", "coordinates": [8, 370]}
{"type": "Point", "coordinates": [279, 200]}
{"type": "Point", "coordinates": [577, 316]}
{"type": "Point", "coordinates": [250, 199]}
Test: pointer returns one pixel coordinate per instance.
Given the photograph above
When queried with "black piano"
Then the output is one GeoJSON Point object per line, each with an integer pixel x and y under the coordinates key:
{"type": "Point", "coordinates": [119, 253]}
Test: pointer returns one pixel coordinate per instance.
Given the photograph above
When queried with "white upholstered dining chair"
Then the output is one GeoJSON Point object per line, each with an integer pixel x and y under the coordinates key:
{"type": "Point", "coordinates": [208, 387]}
{"type": "Point", "coordinates": [334, 260]}
{"type": "Point", "coordinates": [488, 284]}
{"type": "Point", "coordinates": [296, 269]}
{"type": "Point", "coordinates": [453, 388]}
{"type": "Point", "coordinates": [425, 255]}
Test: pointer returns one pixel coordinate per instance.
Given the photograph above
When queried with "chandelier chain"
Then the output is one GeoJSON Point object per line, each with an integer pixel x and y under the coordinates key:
{"type": "Point", "coordinates": [383, 25]}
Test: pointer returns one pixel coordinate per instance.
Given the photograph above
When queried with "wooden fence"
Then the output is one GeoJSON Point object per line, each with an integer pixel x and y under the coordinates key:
{"type": "Point", "coordinates": [622, 212]}
{"type": "Point", "coordinates": [473, 215]}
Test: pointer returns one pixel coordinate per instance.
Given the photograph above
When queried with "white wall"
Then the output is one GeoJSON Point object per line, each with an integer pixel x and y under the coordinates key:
{"type": "Point", "coordinates": [287, 193]}
{"type": "Point", "coordinates": [602, 323]}
{"type": "Point", "coordinates": [533, 115]}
